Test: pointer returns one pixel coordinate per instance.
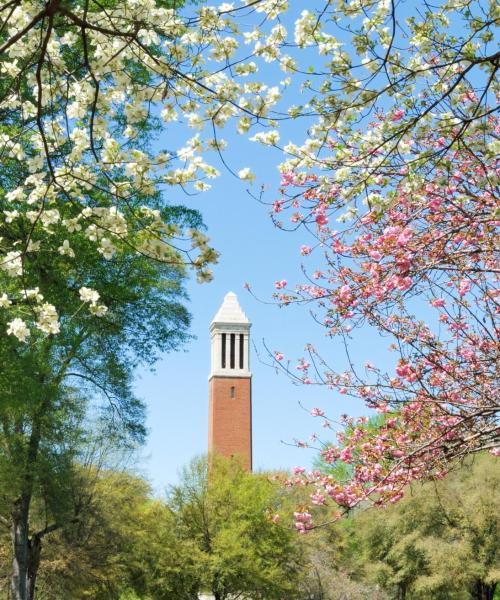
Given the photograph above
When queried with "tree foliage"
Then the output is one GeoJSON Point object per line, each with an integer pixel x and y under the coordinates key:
{"type": "Point", "coordinates": [228, 514]}
{"type": "Point", "coordinates": [441, 541]}
{"type": "Point", "coordinates": [214, 533]}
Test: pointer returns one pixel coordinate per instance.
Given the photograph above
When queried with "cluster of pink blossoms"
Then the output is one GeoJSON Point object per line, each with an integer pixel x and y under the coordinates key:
{"type": "Point", "coordinates": [419, 263]}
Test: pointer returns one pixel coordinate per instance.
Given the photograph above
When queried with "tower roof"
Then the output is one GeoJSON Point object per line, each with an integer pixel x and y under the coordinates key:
{"type": "Point", "coordinates": [230, 311]}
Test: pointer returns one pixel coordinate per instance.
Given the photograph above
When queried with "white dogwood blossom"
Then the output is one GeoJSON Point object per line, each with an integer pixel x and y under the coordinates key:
{"type": "Point", "coordinates": [89, 295]}
{"type": "Point", "coordinates": [48, 320]}
{"type": "Point", "coordinates": [4, 301]}
{"type": "Point", "coordinates": [246, 175]}
{"type": "Point", "coordinates": [18, 328]}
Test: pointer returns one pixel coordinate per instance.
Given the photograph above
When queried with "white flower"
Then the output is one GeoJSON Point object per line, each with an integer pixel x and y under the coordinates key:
{"type": "Point", "coordinates": [89, 295]}
{"type": "Point", "coordinates": [244, 125]}
{"type": "Point", "coordinates": [12, 263]}
{"type": "Point", "coordinates": [11, 68]}
{"type": "Point", "coordinates": [269, 138]}
{"type": "Point", "coordinates": [305, 27]}
{"type": "Point", "coordinates": [66, 249]}
{"type": "Point", "coordinates": [33, 294]}
{"type": "Point", "coordinates": [33, 246]}
{"type": "Point", "coordinates": [15, 195]}
{"type": "Point", "coordinates": [10, 215]}
{"type": "Point", "coordinates": [107, 248]}
{"type": "Point", "coordinates": [48, 319]}
{"type": "Point", "coordinates": [342, 174]}
{"type": "Point", "coordinates": [4, 301]}
{"type": "Point", "coordinates": [18, 328]}
{"type": "Point", "coordinates": [99, 310]}
{"type": "Point", "coordinates": [246, 175]}
{"type": "Point", "coordinates": [169, 113]}
{"type": "Point", "coordinates": [201, 186]}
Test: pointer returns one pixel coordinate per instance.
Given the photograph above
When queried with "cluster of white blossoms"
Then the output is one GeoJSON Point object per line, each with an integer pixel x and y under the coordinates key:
{"type": "Point", "coordinates": [47, 316]}
{"type": "Point", "coordinates": [268, 138]}
{"type": "Point", "coordinates": [89, 85]}
{"type": "Point", "coordinates": [91, 297]}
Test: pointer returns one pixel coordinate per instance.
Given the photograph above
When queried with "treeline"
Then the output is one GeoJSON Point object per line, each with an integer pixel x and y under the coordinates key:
{"type": "Point", "coordinates": [440, 542]}
{"type": "Point", "coordinates": [229, 533]}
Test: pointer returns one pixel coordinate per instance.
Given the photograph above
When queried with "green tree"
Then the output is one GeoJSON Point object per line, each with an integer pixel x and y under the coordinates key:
{"type": "Point", "coordinates": [440, 542]}
{"type": "Point", "coordinates": [215, 533]}
{"type": "Point", "coordinates": [227, 514]}
{"type": "Point", "coordinates": [94, 557]}
{"type": "Point", "coordinates": [49, 386]}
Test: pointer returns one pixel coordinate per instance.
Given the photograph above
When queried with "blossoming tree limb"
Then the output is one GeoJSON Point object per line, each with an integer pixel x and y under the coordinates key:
{"type": "Point", "coordinates": [400, 199]}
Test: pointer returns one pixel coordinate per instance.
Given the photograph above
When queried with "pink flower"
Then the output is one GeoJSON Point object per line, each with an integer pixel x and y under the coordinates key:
{"type": "Point", "coordinates": [298, 470]}
{"type": "Point", "coordinates": [278, 355]}
{"type": "Point", "coordinates": [469, 96]}
{"type": "Point", "coordinates": [398, 115]}
{"type": "Point", "coordinates": [317, 412]}
{"type": "Point", "coordinates": [287, 178]}
{"type": "Point", "coordinates": [330, 454]}
{"type": "Point", "coordinates": [403, 370]}
{"type": "Point", "coordinates": [279, 285]}
{"type": "Point", "coordinates": [304, 250]}
{"type": "Point", "coordinates": [404, 237]}
{"type": "Point", "coordinates": [495, 451]}
{"type": "Point", "coordinates": [464, 286]}
{"type": "Point", "coordinates": [346, 455]}
{"type": "Point", "coordinates": [321, 219]}
{"type": "Point", "coordinates": [438, 302]}
{"type": "Point", "coordinates": [303, 517]}
{"type": "Point", "coordinates": [277, 206]}
{"type": "Point", "coordinates": [317, 499]}
{"type": "Point", "coordinates": [344, 292]}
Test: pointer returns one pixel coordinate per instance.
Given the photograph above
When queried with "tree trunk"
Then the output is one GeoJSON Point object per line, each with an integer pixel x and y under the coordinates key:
{"type": "Point", "coordinates": [26, 554]}
{"type": "Point", "coordinates": [401, 591]}
{"type": "Point", "coordinates": [482, 591]}
{"type": "Point", "coordinates": [26, 551]}
{"type": "Point", "coordinates": [20, 549]}
{"type": "Point", "coordinates": [35, 547]}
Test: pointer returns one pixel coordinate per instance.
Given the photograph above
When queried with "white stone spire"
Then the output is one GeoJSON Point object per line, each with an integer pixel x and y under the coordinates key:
{"type": "Point", "coordinates": [230, 333]}
{"type": "Point", "coordinates": [230, 311]}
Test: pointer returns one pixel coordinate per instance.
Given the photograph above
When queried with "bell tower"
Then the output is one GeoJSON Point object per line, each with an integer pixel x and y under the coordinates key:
{"type": "Point", "coordinates": [230, 384]}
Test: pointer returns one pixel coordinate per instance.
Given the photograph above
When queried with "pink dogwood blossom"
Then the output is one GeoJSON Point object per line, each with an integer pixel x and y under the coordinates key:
{"type": "Point", "coordinates": [436, 240]}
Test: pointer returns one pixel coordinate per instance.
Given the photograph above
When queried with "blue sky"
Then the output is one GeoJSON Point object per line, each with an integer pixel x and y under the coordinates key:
{"type": "Point", "coordinates": [254, 251]}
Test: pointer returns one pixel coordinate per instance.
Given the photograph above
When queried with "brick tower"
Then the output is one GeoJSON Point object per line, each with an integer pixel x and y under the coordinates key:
{"type": "Point", "coordinates": [230, 384]}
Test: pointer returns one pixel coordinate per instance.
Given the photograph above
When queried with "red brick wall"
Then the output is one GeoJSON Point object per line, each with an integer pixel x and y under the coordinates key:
{"type": "Point", "coordinates": [230, 419]}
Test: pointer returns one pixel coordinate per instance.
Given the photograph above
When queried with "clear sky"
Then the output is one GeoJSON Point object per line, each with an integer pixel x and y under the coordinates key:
{"type": "Point", "coordinates": [254, 251]}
